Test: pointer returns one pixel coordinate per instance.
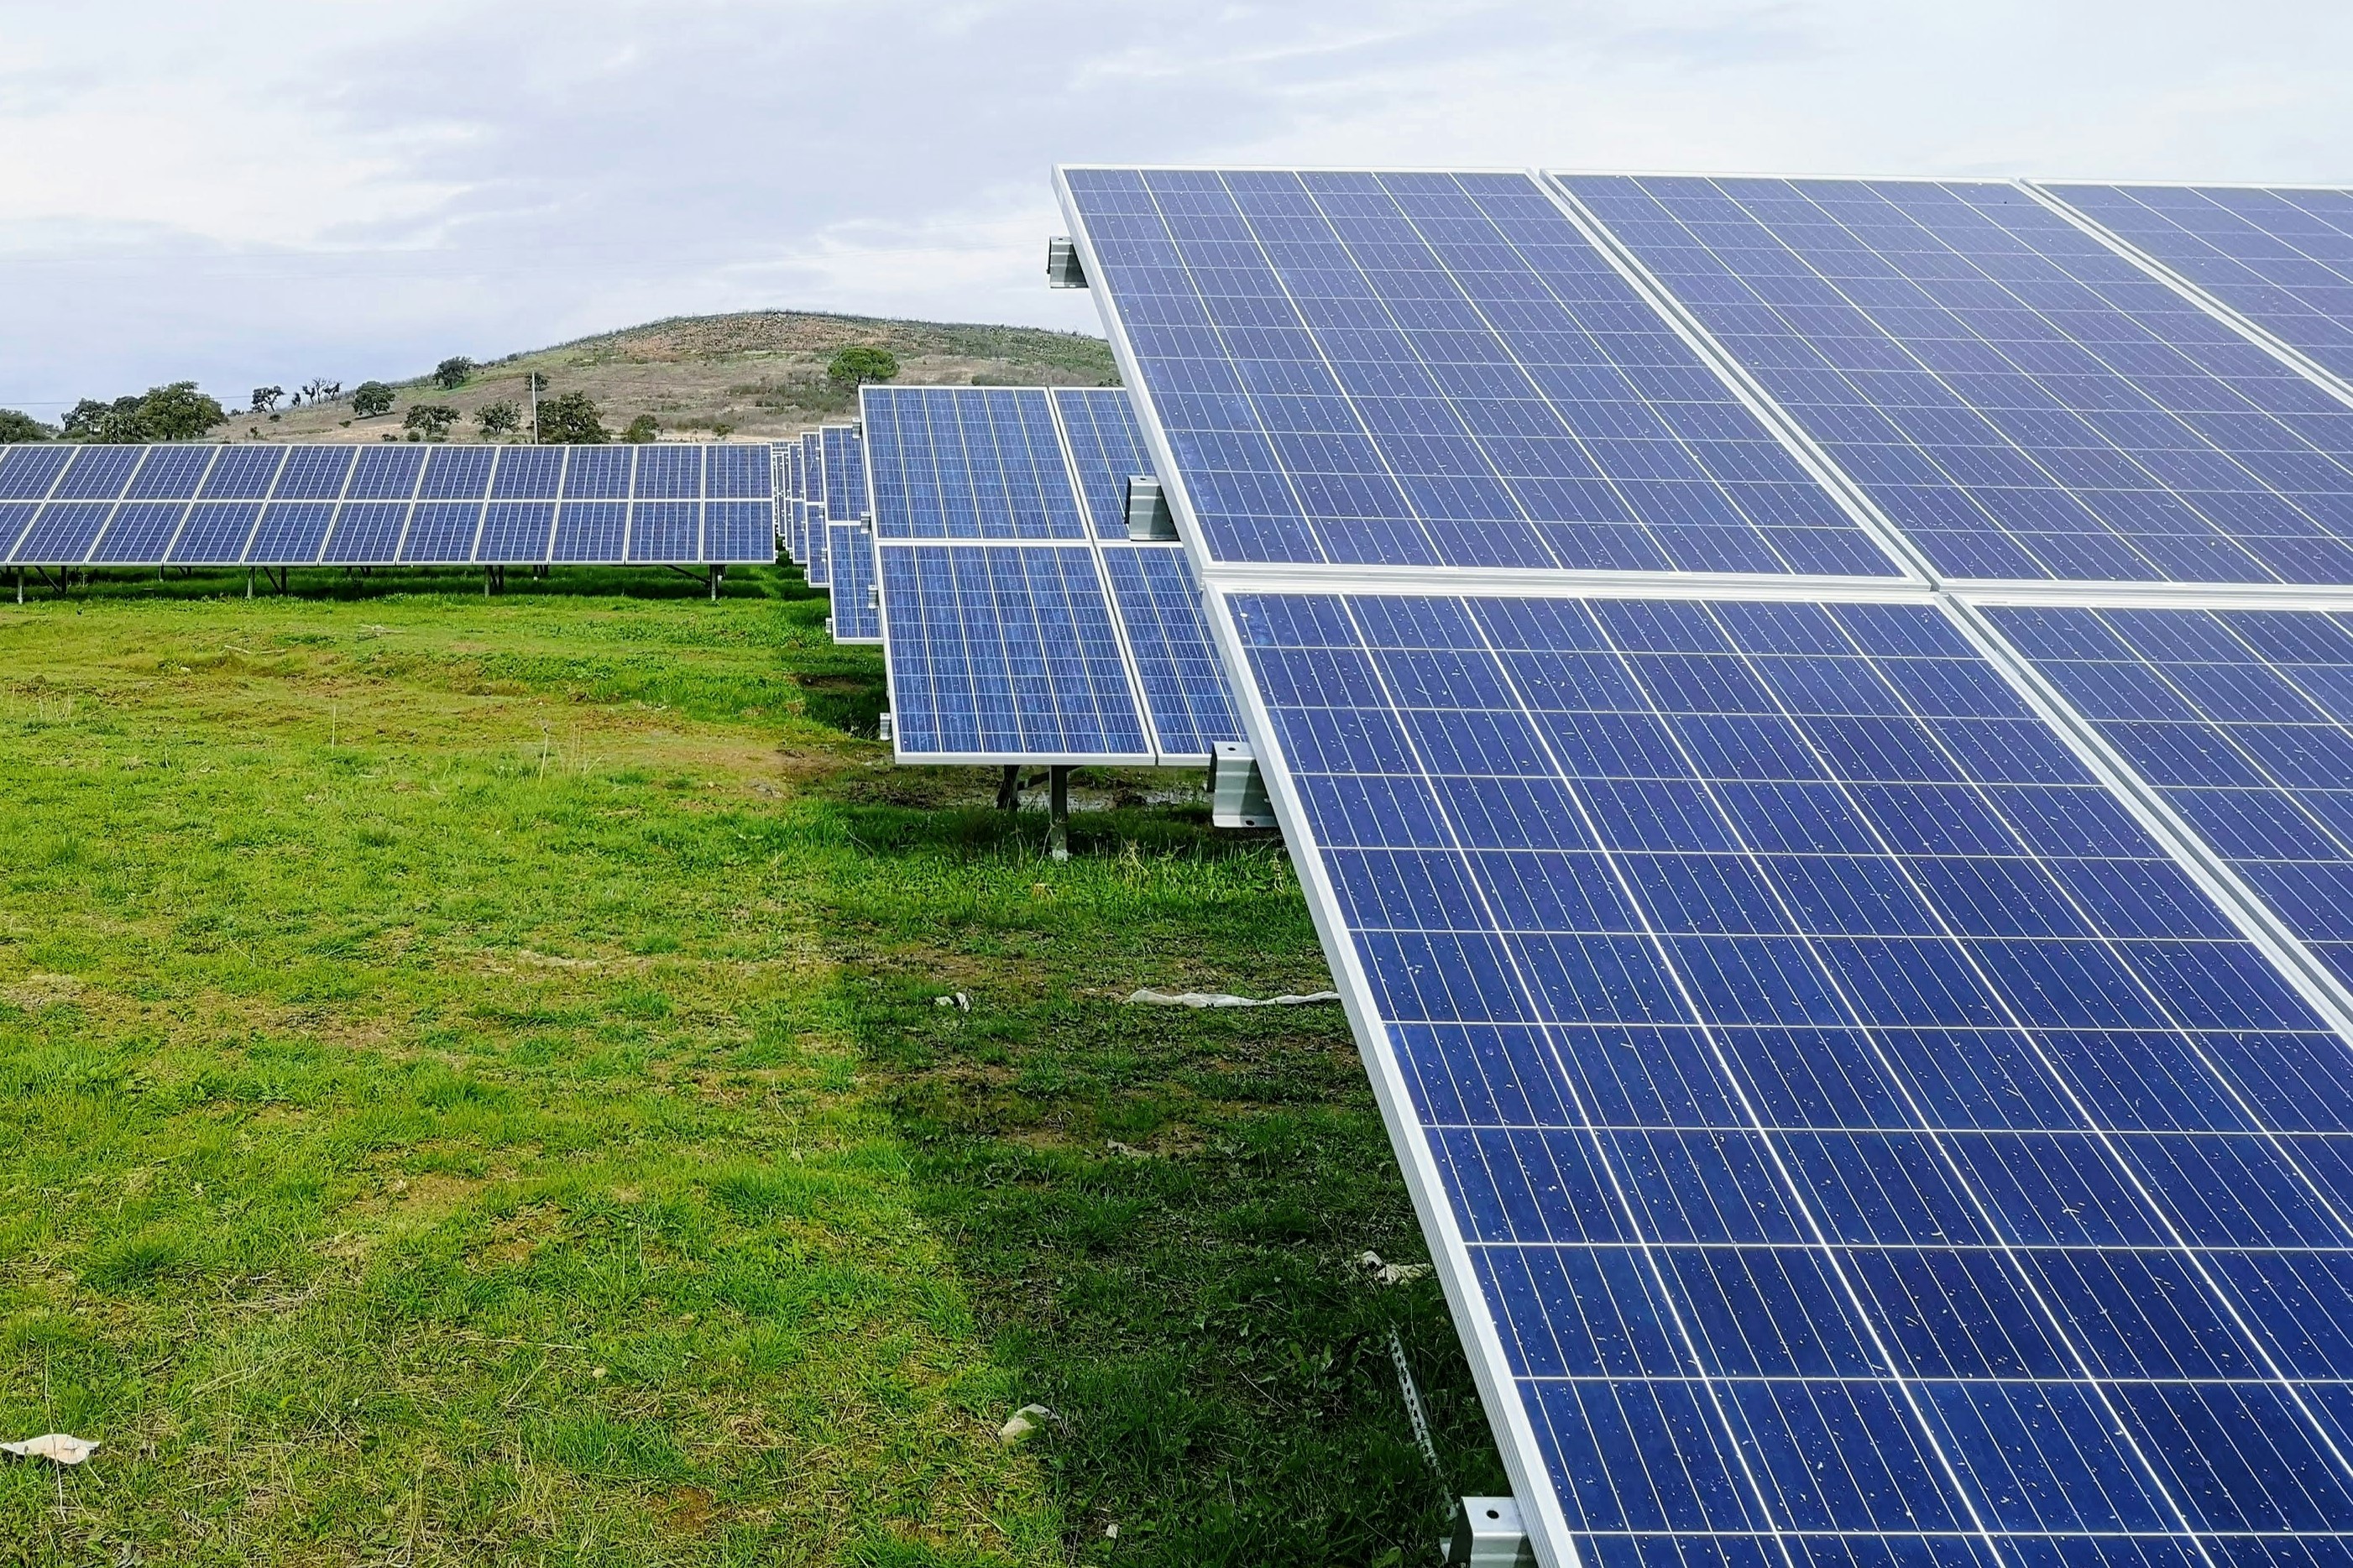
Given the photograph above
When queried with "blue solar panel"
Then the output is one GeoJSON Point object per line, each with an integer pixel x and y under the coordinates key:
{"type": "Point", "coordinates": [243, 473]}
{"type": "Point", "coordinates": [441, 532]}
{"type": "Point", "coordinates": [738, 472]}
{"type": "Point", "coordinates": [1004, 651]}
{"type": "Point", "coordinates": [740, 532]}
{"type": "Point", "coordinates": [591, 531]}
{"type": "Point", "coordinates": [2021, 401]}
{"type": "Point", "coordinates": [458, 474]}
{"type": "Point", "coordinates": [214, 533]}
{"type": "Point", "coordinates": [665, 530]}
{"type": "Point", "coordinates": [818, 568]}
{"type": "Point", "coordinates": [27, 473]}
{"type": "Point", "coordinates": [141, 532]}
{"type": "Point", "coordinates": [63, 532]}
{"type": "Point", "coordinates": [2280, 258]}
{"type": "Point", "coordinates": [1856, 1140]}
{"type": "Point", "coordinates": [1185, 690]}
{"type": "Point", "coordinates": [314, 473]}
{"type": "Point", "coordinates": [812, 490]}
{"type": "Point", "coordinates": [98, 473]}
{"type": "Point", "coordinates": [16, 517]}
{"type": "Point", "coordinates": [388, 472]}
{"type": "Point", "coordinates": [845, 473]}
{"type": "Point", "coordinates": [2242, 720]}
{"type": "Point", "coordinates": [170, 473]}
{"type": "Point", "coordinates": [1106, 447]}
{"type": "Point", "coordinates": [670, 472]}
{"type": "Point", "coordinates": [366, 532]}
{"type": "Point", "coordinates": [1427, 369]}
{"type": "Point", "coordinates": [966, 462]}
{"type": "Point", "coordinates": [599, 473]}
{"type": "Point", "coordinates": [516, 532]}
{"type": "Point", "coordinates": [524, 473]}
{"type": "Point", "coordinates": [291, 534]}
{"type": "Point", "coordinates": [857, 615]}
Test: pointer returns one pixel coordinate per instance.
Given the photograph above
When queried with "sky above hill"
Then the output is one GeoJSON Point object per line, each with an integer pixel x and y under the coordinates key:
{"type": "Point", "coordinates": [264, 193]}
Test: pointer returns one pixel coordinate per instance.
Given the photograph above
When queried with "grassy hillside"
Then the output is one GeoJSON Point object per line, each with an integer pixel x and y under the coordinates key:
{"type": "Point", "coordinates": [473, 1089]}
{"type": "Point", "coordinates": [762, 373]}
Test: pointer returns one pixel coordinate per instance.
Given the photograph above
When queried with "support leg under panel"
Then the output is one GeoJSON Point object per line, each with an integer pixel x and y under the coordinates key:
{"type": "Point", "coordinates": [1058, 827]}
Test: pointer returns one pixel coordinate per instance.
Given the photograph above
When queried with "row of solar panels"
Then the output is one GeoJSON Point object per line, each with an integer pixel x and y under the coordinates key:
{"type": "Point", "coordinates": [989, 554]}
{"type": "Point", "coordinates": [669, 503]}
{"type": "Point", "coordinates": [1874, 1059]}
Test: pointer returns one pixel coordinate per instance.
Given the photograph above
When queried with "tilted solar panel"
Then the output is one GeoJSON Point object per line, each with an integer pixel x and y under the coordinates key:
{"type": "Point", "coordinates": [1433, 369]}
{"type": "Point", "coordinates": [2021, 401]}
{"type": "Point", "coordinates": [2242, 720]}
{"type": "Point", "coordinates": [845, 473]}
{"type": "Point", "coordinates": [857, 610]}
{"type": "Point", "coordinates": [1852, 1137]}
{"type": "Point", "coordinates": [2282, 256]}
{"type": "Point", "coordinates": [966, 462]}
{"type": "Point", "coordinates": [1002, 651]}
{"type": "Point", "coordinates": [1159, 609]}
{"type": "Point", "coordinates": [1107, 447]}
{"type": "Point", "coordinates": [813, 492]}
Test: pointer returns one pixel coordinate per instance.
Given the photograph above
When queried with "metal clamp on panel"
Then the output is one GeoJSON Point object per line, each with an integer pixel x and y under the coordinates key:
{"type": "Point", "coordinates": [1488, 1534]}
{"type": "Point", "coordinates": [1062, 268]}
{"type": "Point", "coordinates": [1237, 793]}
{"type": "Point", "coordinates": [1149, 521]}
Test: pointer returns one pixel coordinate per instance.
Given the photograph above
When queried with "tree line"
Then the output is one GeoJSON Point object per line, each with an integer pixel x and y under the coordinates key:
{"type": "Point", "coordinates": [179, 411]}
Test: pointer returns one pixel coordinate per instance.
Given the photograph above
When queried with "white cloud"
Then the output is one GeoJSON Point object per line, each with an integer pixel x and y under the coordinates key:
{"type": "Point", "coordinates": [253, 193]}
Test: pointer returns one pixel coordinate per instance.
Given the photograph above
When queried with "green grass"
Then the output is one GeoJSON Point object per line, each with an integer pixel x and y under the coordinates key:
{"type": "Point", "coordinates": [475, 1092]}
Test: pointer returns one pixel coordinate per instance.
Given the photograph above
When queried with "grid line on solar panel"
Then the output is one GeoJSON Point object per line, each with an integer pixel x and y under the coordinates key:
{"type": "Point", "coordinates": [1107, 449]}
{"type": "Point", "coordinates": [2242, 722]}
{"type": "Point", "coordinates": [2280, 257]}
{"type": "Point", "coordinates": [999, 651]}
{"type": "Point", "coordinates": [1184, 684]}
{"type": "Point", "coordinates": [1804, 1044]}
{"type": "Point", "coordinates": [857, 616]}
{"type": "Point", "coordinates": [2019, 400]}
{"type": "Point", "coordinates": [1433, 369]}
{"type": "Point", "coordinates": [966, 462]}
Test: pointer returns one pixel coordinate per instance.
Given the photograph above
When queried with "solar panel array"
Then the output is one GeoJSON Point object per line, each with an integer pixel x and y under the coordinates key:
{"type": "Point", "coordinates": [672, 504]}
{"type": "Point", "coordinates": [857, 604]}
{"type": "Point", "coordinates": [1870, 1050]}
{"type": "Point", "coordinates": [1018, 623]}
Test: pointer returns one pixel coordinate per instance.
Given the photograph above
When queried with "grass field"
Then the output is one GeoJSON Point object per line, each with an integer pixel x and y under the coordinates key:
{"type": "Point", "coordinates": [475, 1092]}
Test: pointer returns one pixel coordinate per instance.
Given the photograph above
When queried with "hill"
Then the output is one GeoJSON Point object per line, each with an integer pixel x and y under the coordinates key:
{"type": "Point", "coordinates": [759, 373]}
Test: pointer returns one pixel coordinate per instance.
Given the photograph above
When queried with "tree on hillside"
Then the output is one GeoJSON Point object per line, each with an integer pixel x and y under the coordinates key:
{"type": "Point", "coordinates": [451, 373]}
{"type": "Point", "coordinates": [498, 418]}
{"type": "Point", "coordinates": [370, 398]}
{"type": "Point", "coordinates": [644, 427]}
{"type": "Point", "coordinates": [432, 421]}
{"type": "Point", "coordinates": [535, 381]}
{"type": "Point", "coordinates": [854, 367]}
{"type": "Point", "coordinates": [176, 412]}
{"type": "Point", "coordinates": [321, 391]}
{"type": "Point", "coordinates": [571, 417]}
{"type": "Point", "coordinates": [16, 426]}
{"type": "Point", "coordinates": [265, 398]}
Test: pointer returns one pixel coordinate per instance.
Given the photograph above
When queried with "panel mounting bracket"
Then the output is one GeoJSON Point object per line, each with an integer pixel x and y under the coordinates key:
{"type": "Point", "coordinates": [1149, 521]}
{"type": "Point", "coordinates": [1062, 267]}
{"type": "Point", "coordinates": [1488, 1534]}
{"type": "Point", "coordinates": [1237, 793]}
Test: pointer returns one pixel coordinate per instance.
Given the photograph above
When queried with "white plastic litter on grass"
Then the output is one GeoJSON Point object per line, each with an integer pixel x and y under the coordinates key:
{"type": "Point", "coordinates": [57, 1448]}
{"type": "Point", "coordinates": [1220, 999]}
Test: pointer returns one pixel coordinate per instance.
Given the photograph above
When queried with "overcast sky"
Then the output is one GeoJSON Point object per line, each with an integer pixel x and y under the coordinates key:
{"type": "Point", "coordinates": [268, 192]}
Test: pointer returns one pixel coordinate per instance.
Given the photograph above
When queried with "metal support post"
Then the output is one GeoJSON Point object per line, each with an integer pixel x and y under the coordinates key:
{"type": "Point", "coordinates": [1058, 826]}
{"type": "Point", "coordinates": [249, 582]}
{"type": "Point", "coordinates": [716, 571]}
{"type": "Point", "coordinates": [1009, 790]}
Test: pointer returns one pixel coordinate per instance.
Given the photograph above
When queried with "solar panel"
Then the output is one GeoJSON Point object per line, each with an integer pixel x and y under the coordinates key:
{"type": "Point", "coordinates": [1106, 447]}
{"type": "Point", "coordinates": [845, 473]}
{"type": "Point", "coordinates": [1850, 1134]}
{"type": "Point", "coordinates": [1159, 608]}
{"type": "Point", "coordinates": [1434, 369]}
{"type": "Point", "coordinates": [63, 504]}
{"type": "Point", "coordinates": [1002, 651]}
{"type": "Point", "coordinates": [2281, 258]}
{"type": "Point", "coordinates": [857, 612]}
{"type": "Point", "coordinates": [966, 462]}
{"type": "Point", "coordinates": [2238, 718]}
{"type": "Point", "coordinates": [2024, 403]}
{"type": "Point", "coordinates": [812, 489]}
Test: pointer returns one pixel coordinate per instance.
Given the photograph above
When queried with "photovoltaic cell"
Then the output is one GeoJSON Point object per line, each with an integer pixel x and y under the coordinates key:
{"type": "Point", "coordinates": [1005, 650]}
{"type": "Point", "coordinates": [516, 532]}
{"type": "Point", "coordinates": [850, 550]}
{"type": "Point", "coordinates": [1107, 449]}
{"type": "Point", "coordinates": [314, 473]}
{"type": "Point", "coordinates": [740, 531]}
{"type": "Point", "coordinates": [390, 472]}
{"type": "Point", "coordinates": [2242, 720]}
{"type": "Point", "coordinates": [524, 473]}
{"type": "Point", "coordinates": [291, 534]}
{"type": "Point", "coordinates": [1159, 606]}
{"type": "Point", "coordinates": [441, 532]}
{"type": "Point", "coordinates": [2281, 258]}
{"type": "Point", "coordinates": [668, 471]}
{"type": "Point", "coordinates": [818, 569]}
{"type": "Point", "coordinates": [214, 533]}
{"type": "Point", "coordinates": [590, 531]}
{"type": "Point", "coordinates": [2021, 401]}
{"type": "Point", "coordinates": [366, 532]}
{"type": "Point", "coordinates": [170, 473]}
{"type": "Point", "coordinates": [98, 473]}
{"type": "Point", "coordinates": [1434, 369]}
{"type": "Point", "coordinates": [965, 462]}
{"type": "Point", "coordinates": [62, 532]}
{"type": "Point", "coordinates": [27, 473]}
{"type": "Point", "coordinates": [665, 530]}
{"type": "Point", "coordinates": [599, 473]}
{"type": "Point", "coordinates": [738, 472]}
{"type": "Point", "coordinates": [812, 490]}
{"type": "Point", "coordinates": [1859, 1141]}
{"type": "Point", "coordinates": [16, 517]}
{"type": "Point", "coordinates": [845, 473]}
{"type": "Point", "coordinates": [140, 532]}
{"type": "Point", "coordinates": [243, 473]}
